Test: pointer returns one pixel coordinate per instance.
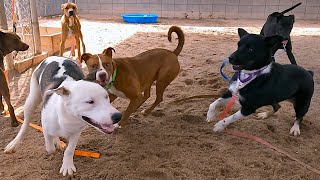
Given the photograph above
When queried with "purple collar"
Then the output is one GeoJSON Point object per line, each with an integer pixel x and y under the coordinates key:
{"type": "Point", "coordinates": [251, 74]}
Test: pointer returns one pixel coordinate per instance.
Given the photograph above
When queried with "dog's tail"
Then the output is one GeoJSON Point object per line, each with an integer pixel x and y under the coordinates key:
{"type": "Point", "coordinates": [287, 10]}
{"type": "Point", "coordinates": [180, 34]}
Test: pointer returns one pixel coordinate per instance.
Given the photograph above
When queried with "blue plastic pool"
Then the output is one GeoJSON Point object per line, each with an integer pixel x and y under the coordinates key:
{"type": "Point", "coordinates": [140, 18]}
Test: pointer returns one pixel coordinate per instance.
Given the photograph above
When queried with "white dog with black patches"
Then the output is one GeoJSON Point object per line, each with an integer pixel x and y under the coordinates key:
{"type": "Point", "coordinates": [69, 105]}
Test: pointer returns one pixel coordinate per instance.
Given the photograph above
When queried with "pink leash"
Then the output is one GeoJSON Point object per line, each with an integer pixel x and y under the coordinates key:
{"type": "Point", "coordinates": [251, 137]}
{"type": "Point", "coordinates": [261, 141]}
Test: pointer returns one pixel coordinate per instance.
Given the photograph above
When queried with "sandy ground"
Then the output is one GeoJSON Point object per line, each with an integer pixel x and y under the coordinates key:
{"type": "Point", "coordinates": [175, 142]}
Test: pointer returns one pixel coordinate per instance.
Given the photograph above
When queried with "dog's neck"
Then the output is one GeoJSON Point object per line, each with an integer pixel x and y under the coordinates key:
{"type": "Point", "coordinates": [69, 21]}
{"type": "Point", "coordinates": [247, 76]}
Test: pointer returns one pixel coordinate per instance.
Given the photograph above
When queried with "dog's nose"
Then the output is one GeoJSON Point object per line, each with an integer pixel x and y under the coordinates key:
{"type": "Point", "coordinates": [116, 117]}
{"type": "Point", "coordinates": [102, 76]}
{"type": "Point", "coordinates": [71, 13]}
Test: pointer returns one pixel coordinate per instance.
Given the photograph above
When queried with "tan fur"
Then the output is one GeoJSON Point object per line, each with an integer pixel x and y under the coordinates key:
{"type": "Point", "coordinates": [8, 42]}
{"type": "Point", "coordinates": [135, 75]}
{"type": "Point", "coordinates": [75, 29]}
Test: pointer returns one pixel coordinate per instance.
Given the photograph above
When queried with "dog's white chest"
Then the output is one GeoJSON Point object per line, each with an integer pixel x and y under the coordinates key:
{"type": "Point", "coordinates": [116, 92]}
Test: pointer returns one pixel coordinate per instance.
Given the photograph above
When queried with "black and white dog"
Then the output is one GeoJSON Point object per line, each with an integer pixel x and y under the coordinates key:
{"type": "Point", "coordinates": [69, 105]}
{"type": "Point", "coordinates": [260, 82]}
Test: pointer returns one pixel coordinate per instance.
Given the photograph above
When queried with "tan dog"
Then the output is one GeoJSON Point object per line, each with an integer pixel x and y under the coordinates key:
{"type": "Point", "coordinates": [71, 27]}
{"type": "Point", "coordinates": [132, 77]}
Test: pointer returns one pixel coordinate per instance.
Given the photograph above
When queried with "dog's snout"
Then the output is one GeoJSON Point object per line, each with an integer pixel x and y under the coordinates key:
{"type": "Point", "coordinates": [71, 13]}
{"type": "Point", "coordinates": [116, 117]}
{"type": "Point", "coordinates": [102, 76]}
{"type": "Point", "coordinates": [26, 47]}
{"type": "Point", "coordinates": [232, 57]}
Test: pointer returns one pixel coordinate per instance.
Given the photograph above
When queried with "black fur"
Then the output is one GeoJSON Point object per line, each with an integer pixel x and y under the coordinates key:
{"type": "Point", "coordinates": [284, 82]}
{"type": "Point", "coordinates": [279, 24]}
{"type": "Point", "coordinates": [47, 72]}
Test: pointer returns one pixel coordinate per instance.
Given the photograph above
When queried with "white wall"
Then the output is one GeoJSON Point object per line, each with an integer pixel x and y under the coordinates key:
{"type": "Point", "coordinates": [196, 9]}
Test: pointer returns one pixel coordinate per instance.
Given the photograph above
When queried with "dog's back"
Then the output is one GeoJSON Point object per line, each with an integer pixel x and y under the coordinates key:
{"type": "Point", "coordinates": [54, 70]}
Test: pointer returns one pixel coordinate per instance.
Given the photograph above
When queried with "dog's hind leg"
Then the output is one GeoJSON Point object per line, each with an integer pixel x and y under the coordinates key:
{"type": "Point", "coordinates": [160, 88]}
{"type": "Point", "coordinates": [222, 101]}
{"type": "Point", "coordinates": [302, 104]}
{"type": "Point", "coordinates": [275, 108]}
{"type": "Point", "coordinates": [49, 142]}
{"type": "Point", "coordinates": [31, 104]}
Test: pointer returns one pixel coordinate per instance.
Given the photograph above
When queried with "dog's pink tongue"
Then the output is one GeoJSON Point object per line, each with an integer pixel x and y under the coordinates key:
{"type": "Point", "coordinates": [103, 84]}
{"type": "Point", "coordinates": [109, 128]}
{"type": "Point", "coordinates": [285, 42]}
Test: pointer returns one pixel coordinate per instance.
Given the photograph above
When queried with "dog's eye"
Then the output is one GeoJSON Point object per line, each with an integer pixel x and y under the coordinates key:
{"type": "Point", "coordinates": [250, 49]}
{"type": "Point", "coordinates": [94, 66]}
{"type": "Point", "coordinates": [107, 65]}
{"type": "Point", "coordinates": [90, 102]}
{"type": "Point", "coordinates": [107, 97]}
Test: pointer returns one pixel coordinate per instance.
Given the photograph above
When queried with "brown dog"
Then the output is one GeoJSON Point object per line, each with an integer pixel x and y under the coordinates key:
{"type": "Point", "coordinates": [8, 42]}
{"type": "Point", "coordinates": [136, 74]}
{"type": "Point", "coordinates": [71, 27]}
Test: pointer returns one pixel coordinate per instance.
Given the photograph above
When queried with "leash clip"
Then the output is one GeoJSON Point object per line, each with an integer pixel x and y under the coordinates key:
{"type": "Point", "coordinates": [284, 47]}
{"type": "Point", "coordinates": [222, 66]}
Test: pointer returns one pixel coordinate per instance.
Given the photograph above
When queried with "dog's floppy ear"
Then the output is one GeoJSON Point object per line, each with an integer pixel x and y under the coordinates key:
{"type": "Point", "coordinates": [108, 51]}
{"type": "Point", "coordinates": [85, 57]}
{"type": "Point", "coordinates": [292, 17]}
{"type": "Point", "coordinates": [75, 7]}
{"type": "Point", "coordinates": [91, 76]}
{"type": "Point", "coordinates": [62, 91]}
{"type": "Point", "coordinates": [63, 6]}
{"type": "Point", "coordinates": [242, 32]}
{"type": "Point", "coordinates": [271, 41]}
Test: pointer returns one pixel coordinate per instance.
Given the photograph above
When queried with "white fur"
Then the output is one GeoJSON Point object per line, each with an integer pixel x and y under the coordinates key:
{"type": "Point", "coordinates": [211, 115]}
{"type": "Point", "coordinates": [218, 127]}
{"type": "Point", "coordinates": [295, 130]}
{"type": "Point", "coordinates": [115, 91]}
{"type": "Point", "coordinates": [62, 116]}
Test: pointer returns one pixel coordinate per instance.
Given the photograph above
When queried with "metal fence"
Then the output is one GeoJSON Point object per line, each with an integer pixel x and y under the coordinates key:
{"type": "Point", "coordinates": [21, 9]}
{"type": "Point", "coordinates": [49, 7]}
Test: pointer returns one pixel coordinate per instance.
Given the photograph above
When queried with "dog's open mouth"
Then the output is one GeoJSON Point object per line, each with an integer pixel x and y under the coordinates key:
{"type": "Point", "coordinates": [102, 83]}
{"type": "Point", "coordinates": [237, 67]}
{"type": "Point", "coordinates": [285, 42]}
{"type": "Point", "coordinates": [105, 128]}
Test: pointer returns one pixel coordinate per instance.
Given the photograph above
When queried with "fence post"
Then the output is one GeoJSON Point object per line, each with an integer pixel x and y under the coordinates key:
{"type": "Point", "coordinates": [8, 60]}
{"type": "Point", "coordinates": [35, 26]}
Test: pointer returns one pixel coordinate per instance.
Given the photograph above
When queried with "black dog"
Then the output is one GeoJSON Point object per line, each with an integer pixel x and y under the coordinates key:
{"type": "Point", "coordinates": [279, 24]}
{"type": "Point", "coordinates": [260, 81]}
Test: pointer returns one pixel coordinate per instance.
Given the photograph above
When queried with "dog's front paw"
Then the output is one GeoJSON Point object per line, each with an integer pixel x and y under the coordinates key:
{"type": "Point", "coordinates": [210, 116]}
{"type": "Point", "coordinates": [295, 130]}
{"type": "Point", "coordinates": [67, 167]}
{"type": "Point", "coordinates": [12, 146]}
{"type": "Point", "coordinates": [219, 127]}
